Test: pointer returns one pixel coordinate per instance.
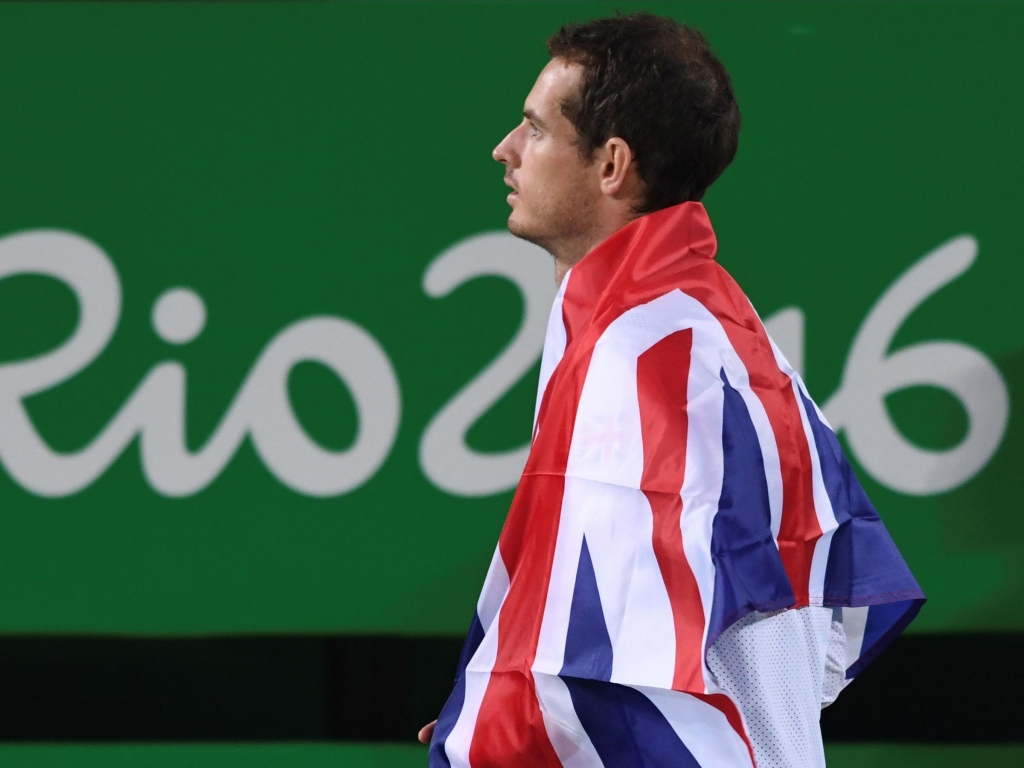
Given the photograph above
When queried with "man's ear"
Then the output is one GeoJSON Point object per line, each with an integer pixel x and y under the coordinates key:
{"type": "Point", "coordinates": [616, 167]}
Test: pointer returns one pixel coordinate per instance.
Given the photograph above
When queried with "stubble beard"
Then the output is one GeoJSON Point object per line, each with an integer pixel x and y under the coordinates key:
{"type": "Point", "coordinates": [559, 227]}
{"type": "Point", "coordinates": [524, 232]}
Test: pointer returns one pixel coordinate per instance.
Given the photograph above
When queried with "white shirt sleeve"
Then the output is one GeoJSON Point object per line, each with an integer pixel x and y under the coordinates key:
{"type": "Point", "coordinates": [781, 668]}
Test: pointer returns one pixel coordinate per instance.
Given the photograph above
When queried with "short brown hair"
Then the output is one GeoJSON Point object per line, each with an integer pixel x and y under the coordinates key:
{"type": "Point", "coordinates": [656, 84]}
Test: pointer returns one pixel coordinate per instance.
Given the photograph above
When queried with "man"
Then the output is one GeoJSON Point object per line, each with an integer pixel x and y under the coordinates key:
{"type": "Point", "coordinates": [689, 570]}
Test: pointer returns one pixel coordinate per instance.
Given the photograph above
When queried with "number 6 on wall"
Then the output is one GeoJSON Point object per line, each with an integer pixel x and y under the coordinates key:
{"type": "Point", "coordinates": [872, 372]}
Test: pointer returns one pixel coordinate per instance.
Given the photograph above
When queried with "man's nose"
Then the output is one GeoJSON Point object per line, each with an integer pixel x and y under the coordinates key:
{"type": "Point", "coordinates": [504, 152]}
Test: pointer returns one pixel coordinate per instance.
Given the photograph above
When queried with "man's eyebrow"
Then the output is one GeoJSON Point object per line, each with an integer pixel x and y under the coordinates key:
{"type": "Point", "coordinates": [529, 114]}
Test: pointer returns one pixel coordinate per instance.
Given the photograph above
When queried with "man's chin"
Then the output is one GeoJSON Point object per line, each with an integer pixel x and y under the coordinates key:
{"type": "Point", "coordinates": [520, 229]}
{"type": "Point", "coordinates": [527, 231]}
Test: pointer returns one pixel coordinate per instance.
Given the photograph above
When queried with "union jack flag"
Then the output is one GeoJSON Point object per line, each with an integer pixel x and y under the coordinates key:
{"type": "Point", "coordinates": [680, 477]}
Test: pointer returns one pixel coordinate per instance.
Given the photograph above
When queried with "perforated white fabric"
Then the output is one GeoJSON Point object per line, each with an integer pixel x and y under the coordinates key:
{"type": "Point", "coordinates": [782, 668]}
{"type": "Point", "coordinates": [835, 661]}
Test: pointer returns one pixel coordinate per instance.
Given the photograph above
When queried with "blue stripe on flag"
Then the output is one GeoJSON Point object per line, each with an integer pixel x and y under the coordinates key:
{"type": "Point", "coordinates": [864, 566]}
{"type": "Point", "coordinates": [438, 758]}
{"type": "Point", "coordinates": [625, 727]}
{"type": "Point", "coordinates": [588, 647]}
{"type": "Point", "coordinates": [863, 562]}
{"type": "Point", "coordinates": [474, 637]}
{"type": "Point", "coordinates": [748, 570]}
{"type": "Point", "coordinates": [881, 619]}
{"type": "Point", "coordinates": [885, 623]}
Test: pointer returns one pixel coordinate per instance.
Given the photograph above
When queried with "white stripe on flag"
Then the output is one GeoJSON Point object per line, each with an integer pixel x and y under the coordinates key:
{"type": "Point", "coordinates": [822, 503]}
{"type": "Point", "coordinates": [477, 673]}
{"type": "Point", "coordinates": [568, 737]}
{"type": "Point", "coordinates": [712, 351]}
{"type": "Point", "coordinates": [554, 345]}
{"type": "Point", "coordinates": [555, 622]}
{"type": "Point", "coordinates": [855, 621]}
{"type": "Point", "coordinates": [477, 676]}
{"type": "Point", "coordinates": [702, 728]}
{"type": "Point", "coordinates": [493, 593]}
{"type": "Point", "coordinates": [636, 607]}
{"type": "Point", "coordinates": [605, 467]}
{"type": "Point", "coordinates": [702, 485]}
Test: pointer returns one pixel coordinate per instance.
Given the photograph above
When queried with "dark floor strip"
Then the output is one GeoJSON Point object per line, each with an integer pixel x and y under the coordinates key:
{"type": "Point", "coordinates": [935, 688]}
{"type": "Point", "coordinates": [925, 688]}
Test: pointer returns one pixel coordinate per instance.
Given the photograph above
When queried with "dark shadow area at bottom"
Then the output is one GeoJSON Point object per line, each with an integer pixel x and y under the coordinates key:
{"type": "Point", "coordinates": [925, 688]}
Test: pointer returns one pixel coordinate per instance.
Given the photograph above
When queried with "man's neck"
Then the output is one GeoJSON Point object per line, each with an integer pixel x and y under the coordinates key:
{"type": "Point", "coordinates": [570, 252]}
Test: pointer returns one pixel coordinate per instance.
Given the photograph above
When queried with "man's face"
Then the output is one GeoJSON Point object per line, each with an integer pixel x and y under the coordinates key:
{"type": "Point", "coordinates": [554, 189]}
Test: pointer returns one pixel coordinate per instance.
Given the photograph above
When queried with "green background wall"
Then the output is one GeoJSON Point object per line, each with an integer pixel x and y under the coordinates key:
{"type": "Point", "coordinates": [286, 161]}
{"type": "Point", "coordinates": [366, 756]}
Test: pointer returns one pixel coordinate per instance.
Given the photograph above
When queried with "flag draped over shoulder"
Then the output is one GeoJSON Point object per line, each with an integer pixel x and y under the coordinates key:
{"type": "Point", "coordinates": [680, 477]}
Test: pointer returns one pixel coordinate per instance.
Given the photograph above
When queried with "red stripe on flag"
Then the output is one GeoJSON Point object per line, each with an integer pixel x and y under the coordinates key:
{"type": "Point", "coordinates": [510, 727]}
{"type": "Point", "coordinates": [798, 529]}
{"type": "Point", "coordinates": [662, 373]}
{"type": "Point", "coordinates": [568, 323]}
{"type": "Point", "coordinates": [728, 707]}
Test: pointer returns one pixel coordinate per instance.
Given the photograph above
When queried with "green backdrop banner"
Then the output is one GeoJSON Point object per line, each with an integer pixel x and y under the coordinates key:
{"type": "Point", "coordinates": [394, 756]}
{"type": "Point", "coordinates": [268, 358]}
